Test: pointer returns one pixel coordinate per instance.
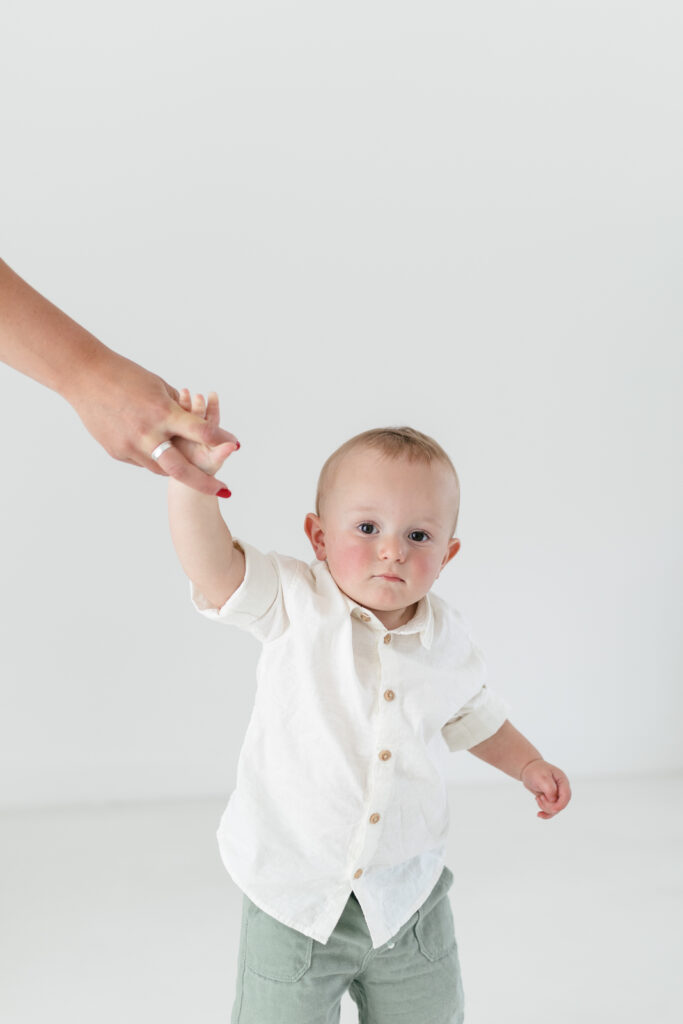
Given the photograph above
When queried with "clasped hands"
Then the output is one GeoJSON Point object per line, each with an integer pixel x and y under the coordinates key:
{"type": "Point", "coordinates": [206, 457]}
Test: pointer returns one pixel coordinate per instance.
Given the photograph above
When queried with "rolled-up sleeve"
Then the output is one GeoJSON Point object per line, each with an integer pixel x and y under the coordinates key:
{"type": "Point", "coordinates": [256, 605]}
{"type": "Point", "coordinates": [480, 718]}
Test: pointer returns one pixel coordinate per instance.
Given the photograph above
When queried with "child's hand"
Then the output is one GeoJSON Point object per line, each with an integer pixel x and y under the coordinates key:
{"type": "Point", "coordinates": [549, 785]}
{"type": "Point", "coordinates": [208, 459]}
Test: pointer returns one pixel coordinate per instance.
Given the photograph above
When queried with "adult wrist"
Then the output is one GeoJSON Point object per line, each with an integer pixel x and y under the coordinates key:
{"type": "Point", "coordinates": [88, 361]}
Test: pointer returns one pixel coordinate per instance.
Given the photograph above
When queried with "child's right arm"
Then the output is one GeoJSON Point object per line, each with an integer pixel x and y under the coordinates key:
{"type": "Point", "coordinates": [203, 543]}
{"type": "Point", "coordinates": [200, 535]}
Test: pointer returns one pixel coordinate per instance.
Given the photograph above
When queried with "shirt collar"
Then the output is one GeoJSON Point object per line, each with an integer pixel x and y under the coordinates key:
{"type": "Point", "coordinates": [421, 623]}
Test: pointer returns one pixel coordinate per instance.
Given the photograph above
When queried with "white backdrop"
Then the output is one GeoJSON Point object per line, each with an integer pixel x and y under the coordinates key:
{"type": "Point", "coordinates": [462, 217]}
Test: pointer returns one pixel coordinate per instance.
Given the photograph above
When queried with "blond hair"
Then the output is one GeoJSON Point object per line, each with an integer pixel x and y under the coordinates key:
{"type": "Point", "coordinates": [394, 443]}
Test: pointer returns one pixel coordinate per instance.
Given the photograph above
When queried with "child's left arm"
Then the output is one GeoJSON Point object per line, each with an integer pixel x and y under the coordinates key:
{"type": "Point", "coordinates": [512, 753]}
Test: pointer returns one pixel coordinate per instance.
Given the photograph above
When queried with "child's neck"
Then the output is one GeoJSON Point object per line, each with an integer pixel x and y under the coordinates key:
{"type": "Point", "coordinates": [394, 619]}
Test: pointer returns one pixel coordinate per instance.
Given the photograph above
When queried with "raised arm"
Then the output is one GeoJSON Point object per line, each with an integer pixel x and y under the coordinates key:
{"type": "Point", "coordinates": [129, 410]}
{"type": "Point", "coordinates": [200, 535]}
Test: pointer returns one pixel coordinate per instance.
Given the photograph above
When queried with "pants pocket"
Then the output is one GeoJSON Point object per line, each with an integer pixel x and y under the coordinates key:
{"type": "Point", "coordinates": [274, 950]}
{"type": "Point", "coordinates": [434, 929]}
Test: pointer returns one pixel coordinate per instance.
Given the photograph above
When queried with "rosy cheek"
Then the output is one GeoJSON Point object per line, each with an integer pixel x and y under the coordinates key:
{"type": "Point", "coordinates": [429, 568]}
{"type": "Point", "coordinates": [355, 558]}
{"type": "Point", "coordinates": [348, 559]}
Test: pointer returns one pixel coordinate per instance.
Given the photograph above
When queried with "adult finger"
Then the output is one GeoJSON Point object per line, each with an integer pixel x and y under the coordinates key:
{"type": "Point", "coordinates": [140, 463]}
{"type": "Point", "coordinates": [173, 463]}
{"type": "Point", "coordinates": [149, 464]}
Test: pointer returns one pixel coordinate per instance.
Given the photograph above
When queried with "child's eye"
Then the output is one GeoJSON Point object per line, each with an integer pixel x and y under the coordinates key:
{"type": "Point", "coordinates": [419, 535]}
{"type": "Point", "coordinates": [367, 528]}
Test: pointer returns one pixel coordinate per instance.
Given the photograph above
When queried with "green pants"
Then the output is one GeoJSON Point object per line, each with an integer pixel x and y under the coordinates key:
{"type": "Point", "coordinates": [285, 977]}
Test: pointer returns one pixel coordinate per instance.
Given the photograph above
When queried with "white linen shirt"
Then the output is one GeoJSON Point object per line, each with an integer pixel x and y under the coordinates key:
{"type": "Point", "coordinates": [338, 788]}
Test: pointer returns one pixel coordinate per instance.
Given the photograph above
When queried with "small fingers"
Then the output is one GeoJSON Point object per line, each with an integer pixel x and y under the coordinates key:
{"type": "Point", "coordinates": [199, 406]}
{"type": "Point", "coordinates": [544, 811]}
{"type": "Point", "coordinates": [550, 805]}
{"type": "Point", "coordinates": [191, 403]}
{"type": "Point", "coordinates": [184, 423]}
{"type": "Point", "coordinates": [213, 409]}
{"type": "Point", "coordinates": [564, 793]}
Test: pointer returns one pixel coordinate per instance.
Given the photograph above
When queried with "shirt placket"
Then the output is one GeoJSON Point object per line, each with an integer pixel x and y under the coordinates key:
{"type": "Point", "coordinates": [382, 769]}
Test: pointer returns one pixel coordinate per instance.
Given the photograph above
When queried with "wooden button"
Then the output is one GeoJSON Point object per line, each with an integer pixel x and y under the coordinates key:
{"type": "Point", "coordinates": [364, 617]}
{"type": "Point", "coordinates": [385, 755]}
{"type": "Point", "coordinates": [358, 873]}
{"type": "Point", "coordinates": [374, 818]}
{"type": "Point", "coordinates": [389, 694]}
{"type": "Point", "coordinates": [387, 638]}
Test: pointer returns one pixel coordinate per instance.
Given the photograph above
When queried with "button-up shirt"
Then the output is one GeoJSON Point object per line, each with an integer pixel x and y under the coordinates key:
{"type": "Point", "coordinates": [338, 782]}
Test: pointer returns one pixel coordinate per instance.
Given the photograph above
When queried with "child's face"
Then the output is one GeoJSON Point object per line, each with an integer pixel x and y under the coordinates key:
{"type": "Point", "coordinates": [385, 530]}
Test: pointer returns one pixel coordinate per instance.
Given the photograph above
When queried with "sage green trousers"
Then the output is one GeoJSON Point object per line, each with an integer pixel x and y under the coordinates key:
{"type": "Point", "coordinates": [285, 977]}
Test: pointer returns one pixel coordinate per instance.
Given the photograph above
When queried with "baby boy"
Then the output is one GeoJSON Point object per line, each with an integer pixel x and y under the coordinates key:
{"type": "Point", "coordinates": [336, 830]}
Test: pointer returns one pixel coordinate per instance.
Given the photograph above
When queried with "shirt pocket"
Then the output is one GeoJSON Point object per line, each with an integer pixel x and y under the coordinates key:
{"type": "Point", "coordinates": [274, 950]}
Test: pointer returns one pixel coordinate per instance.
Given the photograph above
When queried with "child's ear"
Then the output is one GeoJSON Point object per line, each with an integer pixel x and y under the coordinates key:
{"type": "Point", "coordinates": [451, 552]}
{"type": "Point", "coordinates": [316, 535]}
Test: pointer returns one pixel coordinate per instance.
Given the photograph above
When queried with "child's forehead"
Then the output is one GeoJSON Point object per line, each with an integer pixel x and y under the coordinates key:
{"type": "Point", "coordinates": [377, 461]}
{"type": "Point", "coordinates": [367, 477]}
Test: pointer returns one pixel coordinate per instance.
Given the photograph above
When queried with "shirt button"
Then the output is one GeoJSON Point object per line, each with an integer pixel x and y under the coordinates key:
{"type": "Point", "coordinates": [364, 617]}
{"type": "Point", "coordinates": [387, 638]}
{"type": "Point", "coordinates": [385, 755]}
{"type": "Point", "coordinates": [374, 818]}
{"type": "Point", "coordinates": [358, 873]}
{"type": "Point", "coordinates": [389, 694]}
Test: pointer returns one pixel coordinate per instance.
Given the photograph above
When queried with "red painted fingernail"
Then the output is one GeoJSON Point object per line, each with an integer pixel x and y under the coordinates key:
{"type": "Point", "coordinates": [223, 493]}
{"type": "Point", "coordinates": [237, 445]}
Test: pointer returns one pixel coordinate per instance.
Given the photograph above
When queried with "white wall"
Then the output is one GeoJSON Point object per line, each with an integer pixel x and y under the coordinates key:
{"type": "Point", "coordinates": [463, 217]}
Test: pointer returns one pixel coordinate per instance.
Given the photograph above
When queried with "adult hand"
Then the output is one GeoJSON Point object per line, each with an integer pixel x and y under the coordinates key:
{"type": "Point", "coordinates": [130, 411]}
{"type": "Point", "coordinates": [125, 407]}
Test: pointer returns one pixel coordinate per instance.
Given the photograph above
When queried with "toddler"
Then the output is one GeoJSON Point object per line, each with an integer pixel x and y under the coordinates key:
{"type": "Point", "coordinates": [336, 830]}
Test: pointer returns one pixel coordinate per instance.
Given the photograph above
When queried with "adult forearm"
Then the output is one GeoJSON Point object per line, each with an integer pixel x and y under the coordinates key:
{"type": "Point", "coordinates": [507, 750]}
{"type": "Point", "coordinates": [38, 339]}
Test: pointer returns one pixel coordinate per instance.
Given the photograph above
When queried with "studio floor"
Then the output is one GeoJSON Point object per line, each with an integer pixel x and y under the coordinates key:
{"type": "Point", "coordinates": [123, 913]}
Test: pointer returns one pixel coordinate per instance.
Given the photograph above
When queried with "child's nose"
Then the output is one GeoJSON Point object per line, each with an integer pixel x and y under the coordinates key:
{"type": "Point", "coordinates": [392, 548]}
